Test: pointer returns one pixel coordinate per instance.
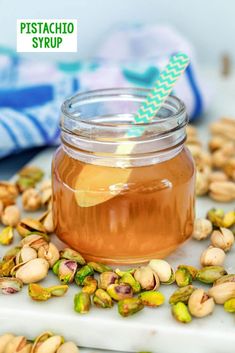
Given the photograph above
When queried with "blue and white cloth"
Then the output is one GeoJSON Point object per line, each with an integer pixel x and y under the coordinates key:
{"type": "Point", "coordinates": [31, 91]}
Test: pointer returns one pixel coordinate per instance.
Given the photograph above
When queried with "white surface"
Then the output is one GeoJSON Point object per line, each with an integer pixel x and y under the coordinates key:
{"type": "Point", "coordinates": [150, 330]}
{"type": "Point", "coordinates": [209, 25]}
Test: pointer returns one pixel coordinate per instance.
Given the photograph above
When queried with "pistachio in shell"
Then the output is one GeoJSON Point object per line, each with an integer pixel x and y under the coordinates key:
{"type": "Point", "coordinates": [18, 344]}
{"type": "Point", "coordinates": [33, 271]}
{"type": "Point", "coordinates": [147, 278]}
{"type": "Point", "coordinates": [4, 340]}
{"type": "Point", "coordinates": [225, 278]}
{"type": "Point", "coordinates": [35, 241]}
{"type": "Point", "coordinates": [66, 271]}
{"type": "Point", "coordinates": [50, 345]}
{"type": "Point", "coordinates": [50, 253]}
{"type": "Point", "coordinates": [29, 225]}
{"type": "Point", "coordinates": [163, 269]}
{"type": "Point", "coordinates": [152, 298]}
{"type": "Point", "coordinates": [222, 292]}
{"type": "Point", "coordinates": [200, 304]}
{"type": "Point", "coordinates": [26, 254]}
{"type": "Point", "coordinates": [9, 285]}
{"type": "Point", "coordinates": [102, 299]}
{"type": "Point", "coordinates": [82, 303]}
{"type": "Point", "coordinates": [129, 306]}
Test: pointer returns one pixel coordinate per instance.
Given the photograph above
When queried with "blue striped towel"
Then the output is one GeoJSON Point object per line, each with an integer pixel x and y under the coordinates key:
{"type": "Point", "coordinates": [32, 91]}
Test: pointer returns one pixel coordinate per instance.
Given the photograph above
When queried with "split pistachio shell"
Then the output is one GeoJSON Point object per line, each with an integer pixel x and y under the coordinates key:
{"type": "Point", "coordinates": [128, 307]}
{"type": "Point", "coordinates": [224, 279]}
{"type": "Point", "coordinates": [6, 236]}
{"type": "Point", "coordinates": [181, 313]}
{"type": "Point", "coordinates": [102, 299]}
{"type": "Point", "coordinates": [4, 340]}
{"type": "Point", "coordinates": [162, 269]}
{"type": "Point", "coordinates": [127, 278]}
{"type": "Point", "coordinates": [202, 228]}
{"type": "Point", "coordinates": [11, 253]}
{"type": "Point", "coordinates": [29, 225]}
{"type": "Point", "coordinates": [31, 199]}
{"type": "Point", "coordinates": [152, 298]}
{"type": "Point", "coordinates": [210, 274]}
{"type": "Point", "coordinates": [9, 285]}
{"type": "Point", "coordinates": [66, 271]}
{"type": "Point", "coordinates": [11, 216]}
{"type": "Point", "coordinates": [82, 273]}
{"type": "Point", "coordinates": [68, 347]}
{"type": "Point", "coordinates": [70, 254]}
{"type": "Point", "coordinates": [46, 196]}
{"type": "Point", "coordinates": [212, 257]}
{"type": "Point", "coordinates": [35, 241]}
{"type": "Point", "coordinates": [82, 303]}
{"type": "Point", "coordinates": [223, 239]}
{"type": "Point", "coordinates": [183, 277]}
{"type": "Point", "coordinates": [90, 285]}
{"type": "Point", "coordinates": [40, 339]}
{"type": "Point", "coordinates": [120, 291]}
{"type": "Point", "coordinates": [229, 305]}
{"type": "Point", "coordinates": [25, 254]}
{"type": "Point", "coordinates": [50, 345]}
{"type": "Point", "coordinates": [181, 295]}
{"type": "Point", "coordinates": [200, 304]}
{"type": "Point", "coordinates": [18, 344]}
{"type": "Point", "coordinates": [107, 278]}
{"type": "Point", "coordinates": [98, 267]}
{"type": "Point", "coordinates": [222, 292]}
{"type": "Point", "coordinates": [47, 220]}
{"type": "Point", "coordinates": [147, 278]}
{"type": "Point", "coordinates": [32, 271]}
{"type": "Point", "coordinates": [50, 253]}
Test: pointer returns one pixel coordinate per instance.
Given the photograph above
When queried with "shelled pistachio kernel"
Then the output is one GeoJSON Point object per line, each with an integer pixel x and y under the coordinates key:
{"type": "Point", "coordinates": [127, 278]}
{"type": "Point", "coordinates": [66, 271]}
{"type": "Point", "coordinates": [223, 239]}
{"type": "Point", "coordinates": [38, 293]}
{"type": "Point", "coordinates": [181, 313]}
{"type": "Point", "coordinates": [6, 267]}
{"type": "Point", "coordinates": [147, 278]}
{"type": "Point", "coordinates": [82, 303]}
{"type": "Point", "coordinates": [29, 225]}
{"type": "Point", "coordinates": [102, 299]}
{"type": "Point", "coordinates": [209, 274]}
{"type": "Point", "coordinates": [181, 295]}
{"type": "Point", "coordinates": [55, 267]}
{"type": "Point", "coordinates": [89, 285]}
{"type": "Point", "coordinates": [229, 219]}
{"type": "Point", "coordinates": [152, 298]}
{"type": "Point", "coordinates": [98, 267]}
{"type": "Point", "coordinates": [212, 257]}
{"type": "Point", "coordinates": [229, 305]}
{"type": "Point", "coordinates": [202, 228]}
{"type": "Point", "coordinates": [70, 254]}
{"type": "Point", "coordinates": [82, 273]}
{"type": "Point", "coordinates": [216, 217]}
{"type": "Point", "coordinates": [130, 306]}
{"type": "Point", "coordinates": [183, 277]}
{"type": "Point", "coordinates": [163, 270]}
{"type": "Point", "coordinates": [200, 304]}
{"type": "Point", "coordinates": [6, 236]}
{"type": "Point", "coordinates": [120, 291]}
{"type": "Point", "coordinates": [32, 172]}
{"type": "Point", "coordinates": [107, 278]}
{"type": "Point", "coordinates": [192, 270]}
{"type": "Point", "coordinates": [9, 285]}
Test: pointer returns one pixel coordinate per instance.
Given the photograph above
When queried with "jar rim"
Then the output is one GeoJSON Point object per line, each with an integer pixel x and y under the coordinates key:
{"type": "Point", "coordinates": [102, 95]}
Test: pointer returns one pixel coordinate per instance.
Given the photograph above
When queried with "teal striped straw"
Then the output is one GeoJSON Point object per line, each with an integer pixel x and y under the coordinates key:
{"type": "Point", "coordinates": [161, 90]}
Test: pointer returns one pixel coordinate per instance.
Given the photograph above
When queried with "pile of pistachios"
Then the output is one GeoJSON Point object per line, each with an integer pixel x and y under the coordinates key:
{"type": "Point", "coordinates": [45, 342]}
{"type": "Point", "coordinates": [215, 165]}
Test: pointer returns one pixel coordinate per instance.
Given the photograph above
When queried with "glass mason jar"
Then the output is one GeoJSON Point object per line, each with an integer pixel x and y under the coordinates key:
{"type": "Point", "coordinates": [119, 198]}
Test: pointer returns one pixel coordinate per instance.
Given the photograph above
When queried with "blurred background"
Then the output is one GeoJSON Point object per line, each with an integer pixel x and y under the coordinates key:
{"type": "Point", "coordinates": [206, 29]}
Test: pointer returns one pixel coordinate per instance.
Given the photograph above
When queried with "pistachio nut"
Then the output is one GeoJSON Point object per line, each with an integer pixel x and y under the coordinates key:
{"type": "Point", "coordinates": [107, 278]}
{"type": "Point", "coordinates": [98, 267]}
{"type": "Point", "coordinates": [67, 270]}
{"type": "Point", "coordinates": [45, 185]}
{"type": "Point", "coordinates": [32, 271]}
{"type": "Point", "coordinates": [31, 199]}
{"type": "Point", "coordinates": [229, 167]}
{"type": "Point", "coordinates": [50, 253]}
{"type": "Point", "coordinates": [222, 292]}
{"type": "Point", "coordinates": [183, 277]}
{"type": "Point", "coordinates": [210, 274]}
{"type": "Point", "coordinates": [181, 295]}
{"type": "Point", "coordinates": [202, 228]}
{"type": "Point", "coordinates": [11, 253]}
{"type": "Point", "coordinates": [229, 305]}
{"type": "Point", "coordinates": [11, 216]}
{"type": "Point", "coordinates": [40, 339]}
{"type": "Point", "coordinates": [163, 270]}
{"type": "Point", "coordinates": [216, 142]}
{"type": "Point", "coordinates": [46, 196]}
{"type": "Point", "coordinates": [222, 191]}
{"type": "Point", "coordinates": [35, 241]}
{"type": "Point", "coordinates": [202, 183]}
{"type": "Point", "coordinates": [47, 220]}
{"type": "Point", "coordinates": [212, 257]}
{"type": "Point", "coordinates": [38, 293]}
{"type": "Point", "coordinates": [223, 239]}
{"type": "Point", "coordinates": [6, 267]}
{"type": "Point", "coordinates": [59, 290]}
{"type": "Point", "coordinates": [82, 303]}
{"type": "Point", "coordinates": [4, 340]}
{"type": "Point", "coordinates": [217, 176]}
{"type": "Point", "coordinates": [32, 172]}
{"type": "Point", "coordinates": [90, 285]}
{"type": "Point", "coordinates": [68, 347]}
{"type": "Point", "coordinates": [6, 236]}
{"type": "Point", "coordinates": [128, 278]}
{"type": "Point", "coordinates": [120, 291]}
{"type": "Point", "coordinates": [29, 225]}
{"type": "Point", "coordinates": [129, 306]}
{"type": "Point", "coordinates": [82, 273]}
{"type": "Point", "coordinates": [25, 183]}
{"type": "Point", "coordinates": [102, 299]}
{"type": "Point", "coordinates": [225, 278]}
{"type": "Point", "coordinates": [9, 285]}
{"type": "Point", "coordinates": [55, 267]}
{"type": "Point", "coordinates": [192, 270]}
{"type": "Point", "coordinates": [152, 298]}
{"type": "Point", "coordinates": [120, 273]}
{"type": "Point", "coordinates": [147, 278]}
{"type": "Point", "coordinates": [8, 193]}
{"type": "Point", "coordinates": [18, 344]}
{"type": "Point", "coordinates": [216, 217]}
{"type": "Point", "coordinates": [50, 345]}
{"type": "Point", "coordinates": [25, 254]}
{"type": "Point", "coordinates": [200, 304]}
{"type": "Point", "coordinates": [181, 313]}
{"type": "Point", "coordinates": [229, 219]}
{"type": "Point", "coordinates": [70, 254]}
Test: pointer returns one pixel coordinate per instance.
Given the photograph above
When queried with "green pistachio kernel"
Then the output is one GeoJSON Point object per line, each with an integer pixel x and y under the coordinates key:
{"type": "Point", "coordinates": [181, 313]}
